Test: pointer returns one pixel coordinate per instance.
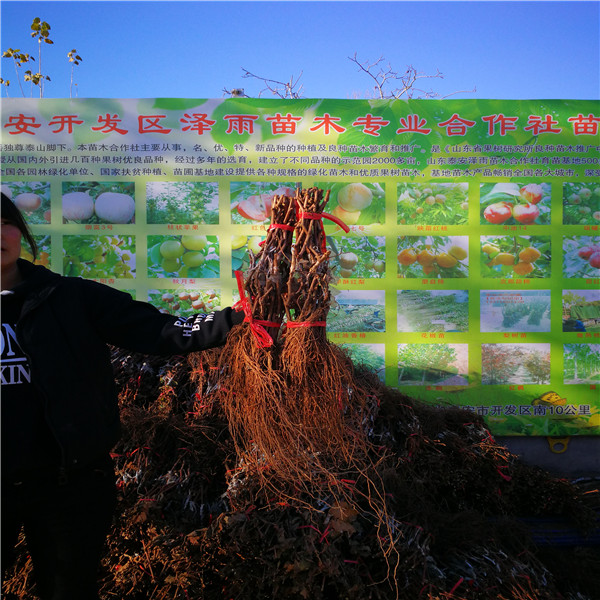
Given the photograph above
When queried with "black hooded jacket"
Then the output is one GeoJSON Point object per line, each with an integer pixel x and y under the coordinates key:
{"type": "Point", "coordinates": [65, 327]}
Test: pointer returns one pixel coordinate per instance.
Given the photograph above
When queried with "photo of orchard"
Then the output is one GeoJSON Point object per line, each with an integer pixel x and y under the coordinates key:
{"type": "Point", "coordinates": [523, 310]}
{"type": "Point", "coordinates": [433, 364]}
{"type": "Point", "coordinates": [430, 311]}
{"type": "Point", "coordinates": [582, 364]}
{"type": "Point", "coordinates": [522, 364]}
{"type": "Point", "coordinates": [357, 311]}
{"type": "Point", "coordinates": [182, 202]}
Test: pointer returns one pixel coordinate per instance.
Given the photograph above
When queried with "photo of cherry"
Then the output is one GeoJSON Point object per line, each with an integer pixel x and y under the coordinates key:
{"type": "Point", "coordinates": [515, 203]}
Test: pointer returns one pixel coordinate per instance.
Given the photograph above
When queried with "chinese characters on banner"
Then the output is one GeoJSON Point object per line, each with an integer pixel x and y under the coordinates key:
{"type": "Point", "coordinates": [471, 270]}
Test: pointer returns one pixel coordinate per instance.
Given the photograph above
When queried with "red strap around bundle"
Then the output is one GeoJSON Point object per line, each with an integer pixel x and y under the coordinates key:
{"type": "Point", "coordinates": [263, 339]}
{"type": "Point", "coordinates": [320, 217]}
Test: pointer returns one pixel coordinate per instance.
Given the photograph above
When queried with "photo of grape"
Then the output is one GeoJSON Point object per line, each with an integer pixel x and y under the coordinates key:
{"type": "Point", "coordinates": [187, 255]}
{"type": "Point", "coordinates": [99, 256]}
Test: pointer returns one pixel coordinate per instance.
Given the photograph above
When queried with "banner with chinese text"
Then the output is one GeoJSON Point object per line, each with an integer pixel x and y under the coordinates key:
{"type": "Point", "coordinates": [471, 271]}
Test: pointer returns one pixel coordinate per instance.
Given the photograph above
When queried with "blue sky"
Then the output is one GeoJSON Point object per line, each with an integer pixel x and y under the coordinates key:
{"type": "Point", "coordinates": [195, 49]}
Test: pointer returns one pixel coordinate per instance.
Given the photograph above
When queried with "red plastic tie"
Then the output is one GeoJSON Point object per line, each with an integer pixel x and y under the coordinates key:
{"type": "Point", "coordinates": [281, 226]}
{"type": "Point", "coordinates": [319, 217]}
{"type": "Point", "coordinates": [263, 339]}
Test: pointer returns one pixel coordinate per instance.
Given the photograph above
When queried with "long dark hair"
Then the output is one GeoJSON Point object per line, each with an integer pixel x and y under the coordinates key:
{"type": "Point", "coordinates": [11, 213]}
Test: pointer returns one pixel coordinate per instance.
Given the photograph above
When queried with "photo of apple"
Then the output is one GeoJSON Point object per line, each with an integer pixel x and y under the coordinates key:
{"type": "Point", "coordinates": [251, 201]}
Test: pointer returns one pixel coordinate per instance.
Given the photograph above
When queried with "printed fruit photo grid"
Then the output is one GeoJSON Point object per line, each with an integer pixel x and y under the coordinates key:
{"type": "Point", "coordinates": [470, 274]}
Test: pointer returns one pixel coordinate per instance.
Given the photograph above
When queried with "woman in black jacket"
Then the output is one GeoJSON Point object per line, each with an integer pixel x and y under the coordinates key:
{"type": "Point", "coordinates": [60, 415]}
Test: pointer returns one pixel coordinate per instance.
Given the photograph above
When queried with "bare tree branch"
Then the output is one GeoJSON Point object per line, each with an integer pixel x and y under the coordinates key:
{"type": "Point", "coordinates": [281, 89]}
{"type": "Point", "coordinates": [384, 76]}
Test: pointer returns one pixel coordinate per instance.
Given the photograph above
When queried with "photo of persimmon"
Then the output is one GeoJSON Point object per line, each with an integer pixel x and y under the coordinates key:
{"type": "Point", "coordinates": [515, 203]}
{"type": "Point", "coordinates": [515, 256]}
{"type": "Point", "coordinates": [433, 256]}
{"type": "Point", "coordinates": [581, 256]}
{"type": "Point", "coordinates": [433, 203]}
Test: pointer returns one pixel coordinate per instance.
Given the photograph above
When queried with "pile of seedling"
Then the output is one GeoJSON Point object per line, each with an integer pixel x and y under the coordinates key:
{"type": "Point", "coordinates": [274, 467]}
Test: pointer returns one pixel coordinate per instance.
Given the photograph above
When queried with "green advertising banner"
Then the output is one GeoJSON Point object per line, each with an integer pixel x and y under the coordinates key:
{"type": "Point", "coordinates": [470, 274]}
